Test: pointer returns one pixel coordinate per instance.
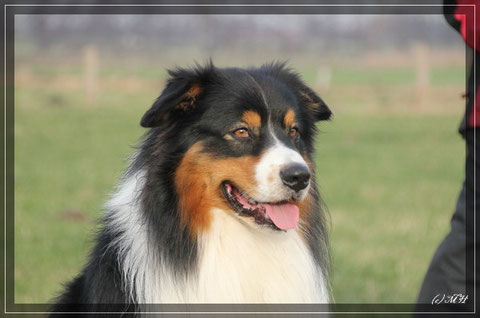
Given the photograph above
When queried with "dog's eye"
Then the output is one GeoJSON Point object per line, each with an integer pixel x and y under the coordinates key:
{"type": "Point", "coordinates": [241, 133]}
{"type": "Point", "coordinates": [293, 132]}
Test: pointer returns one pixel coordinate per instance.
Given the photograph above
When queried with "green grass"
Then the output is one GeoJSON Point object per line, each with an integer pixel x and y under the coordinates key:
{"type": "Point", "coordinates": [67, 160]}
{"type": "Point", "coordinates": [389, 179]}
{"type": "Point", "coordinates": [390, 183]}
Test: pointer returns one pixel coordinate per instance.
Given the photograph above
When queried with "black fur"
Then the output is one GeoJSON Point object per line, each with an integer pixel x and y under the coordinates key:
{"type": "Point", "coordinates": [177, 121]}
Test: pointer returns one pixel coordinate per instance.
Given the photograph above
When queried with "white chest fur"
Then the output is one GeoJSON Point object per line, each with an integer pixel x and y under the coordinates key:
{"type": "Point", "coordinates": [240, 264]}
{"type": "Point", "coordinates": [237, 263]}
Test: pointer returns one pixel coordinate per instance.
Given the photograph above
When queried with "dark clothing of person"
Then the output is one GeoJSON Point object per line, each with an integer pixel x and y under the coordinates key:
{"type": "Point", "coordinates": [451, 269]}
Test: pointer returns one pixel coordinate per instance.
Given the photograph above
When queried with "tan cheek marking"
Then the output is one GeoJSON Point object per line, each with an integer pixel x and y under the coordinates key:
{"type": "Point", "coordinates": [306, 205]}
{"type": "Point", "coordinates": [289, 118]}
{"type": "Point", "coordinates": [198, 179]}
{"type": "Point", "coordinates": [252, 119]}
{"type": "Point", "coordinates": [192, 190]}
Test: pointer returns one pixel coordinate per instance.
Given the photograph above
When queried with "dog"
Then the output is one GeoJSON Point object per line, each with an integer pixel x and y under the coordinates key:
{"type": "Point", "coordinates": [219, 203]}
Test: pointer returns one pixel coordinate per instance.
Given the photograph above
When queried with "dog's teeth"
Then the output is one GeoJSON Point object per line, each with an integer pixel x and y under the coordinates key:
{"type": "Point", "coordinates": [252, 202]}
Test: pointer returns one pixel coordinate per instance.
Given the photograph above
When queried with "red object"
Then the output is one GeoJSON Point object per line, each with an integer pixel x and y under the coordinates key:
{"type": "Point", "coordinates": [467, 13]}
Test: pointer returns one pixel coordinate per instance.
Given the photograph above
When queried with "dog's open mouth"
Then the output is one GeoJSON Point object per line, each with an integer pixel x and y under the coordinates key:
{"type": "Point", "coordinates": [279, 216]}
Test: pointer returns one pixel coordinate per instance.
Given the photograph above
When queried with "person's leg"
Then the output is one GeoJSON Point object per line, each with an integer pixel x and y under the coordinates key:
{"type": "Point", "coordinates": [446, 273]}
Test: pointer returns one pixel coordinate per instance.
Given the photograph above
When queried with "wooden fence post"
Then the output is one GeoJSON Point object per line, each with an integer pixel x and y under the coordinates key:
{"type": "Point", "coordinates": [91, 64]}
{"type": "Point", "coordinates": [422, 74]}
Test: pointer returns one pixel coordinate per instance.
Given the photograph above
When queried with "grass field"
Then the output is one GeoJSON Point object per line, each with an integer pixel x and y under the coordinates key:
{"type": "Point", "coordinates": [388, 172]}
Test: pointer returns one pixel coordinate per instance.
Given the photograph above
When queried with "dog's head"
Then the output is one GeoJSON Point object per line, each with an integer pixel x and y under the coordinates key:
{"type": "Point", "coordinates": [243, 142]}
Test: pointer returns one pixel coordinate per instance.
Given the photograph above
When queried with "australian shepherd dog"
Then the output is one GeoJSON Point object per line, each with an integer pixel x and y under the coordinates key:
{"type": "Point", "coordinates": [219, 203]}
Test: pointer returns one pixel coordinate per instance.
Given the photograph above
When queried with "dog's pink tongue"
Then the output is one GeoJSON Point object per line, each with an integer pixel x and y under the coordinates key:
{"type": "Point", "coordinates": [284, 216]}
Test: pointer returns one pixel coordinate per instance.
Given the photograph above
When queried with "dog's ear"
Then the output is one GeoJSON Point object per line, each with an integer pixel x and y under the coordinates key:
{"type": "Point", "coordinates": [179, 96]}
{"type": "Point", "coordinates": [315, 103]}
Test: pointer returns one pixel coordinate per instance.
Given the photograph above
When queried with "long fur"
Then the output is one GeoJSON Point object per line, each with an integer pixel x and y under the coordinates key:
{"type": "Point", "coordinates": [145, 253]}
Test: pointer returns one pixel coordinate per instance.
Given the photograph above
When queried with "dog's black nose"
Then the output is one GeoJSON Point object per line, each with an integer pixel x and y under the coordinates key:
{"type": "Point", "coordinates": [295, 176]}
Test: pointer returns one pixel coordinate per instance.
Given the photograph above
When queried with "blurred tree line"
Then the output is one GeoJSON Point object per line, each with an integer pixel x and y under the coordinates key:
{"type": "Point", "coordinates": [151, 33]}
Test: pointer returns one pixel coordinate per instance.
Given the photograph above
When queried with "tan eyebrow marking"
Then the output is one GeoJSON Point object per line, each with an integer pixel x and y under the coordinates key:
{"type": "Point", "coordinates": [252, 119]}
{"type": "Point", "coordinates": [289, 118]}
